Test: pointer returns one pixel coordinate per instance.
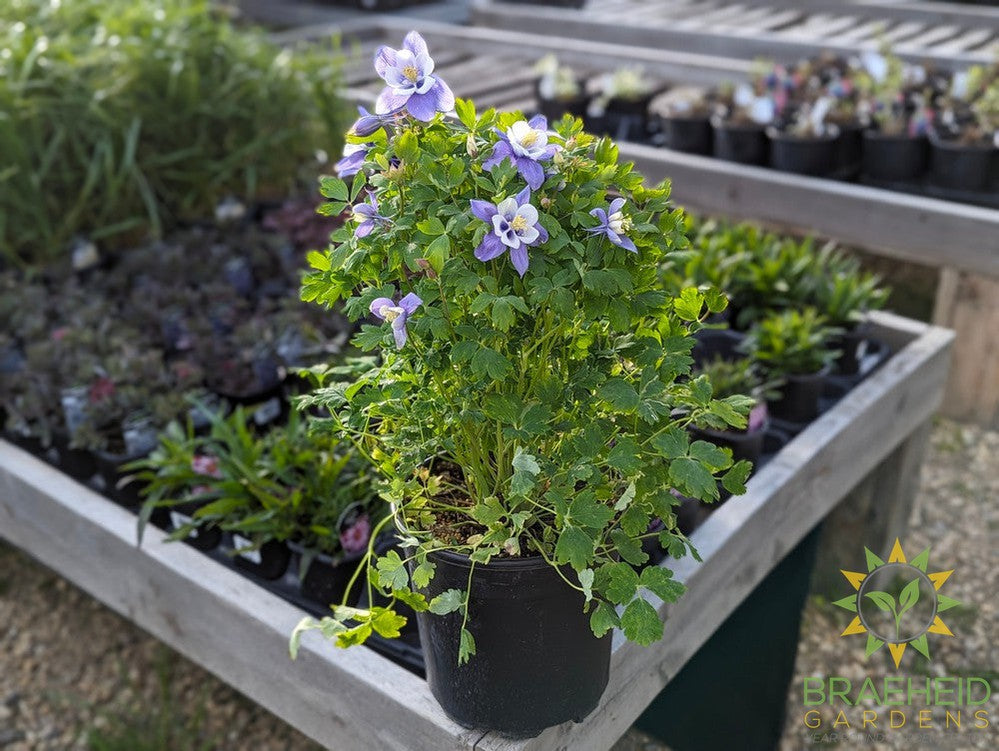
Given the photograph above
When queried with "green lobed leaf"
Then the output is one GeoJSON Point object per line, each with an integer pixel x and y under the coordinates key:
{"type": "Point", "coordinates": [641, 623]}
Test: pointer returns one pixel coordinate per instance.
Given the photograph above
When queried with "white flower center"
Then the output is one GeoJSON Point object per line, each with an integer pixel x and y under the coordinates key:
{"type": "Point", "coordinates": [518, 223]}
{"type": "Point", "coordinates": [390, 313]}
{"type": "Point", "coordinates": [618, 222]}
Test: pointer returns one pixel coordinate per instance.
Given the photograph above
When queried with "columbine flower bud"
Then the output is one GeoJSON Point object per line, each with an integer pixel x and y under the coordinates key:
{"type": "Point", "coordinates": [546, 202]}
{"type": "Point", "coordinates": [470, 146]}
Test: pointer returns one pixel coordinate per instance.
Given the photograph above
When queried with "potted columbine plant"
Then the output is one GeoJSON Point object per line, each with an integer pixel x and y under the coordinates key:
{"type": "Point", "coordinates": [806, 144]}
{"type": "Point", "coordinates": [794, 347]}
{"type": "Point", "coordinates": [684, 117]}
{"type": "Point", "coordinates": [739, 127]}
{"type": "Point", "coordinates": [526, 405]}
{"type": "Point", "coordinates": [964, 138]}
{"type": "Point", "coordinates": [620, 106]}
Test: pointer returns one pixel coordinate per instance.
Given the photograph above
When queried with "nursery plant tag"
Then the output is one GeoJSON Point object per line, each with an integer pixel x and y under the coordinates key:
{"type": "Point", "coordinates": [267, 412]}
{"type": "Point", "coordinates": [253, 556]}
{"type": "Point", "coordinates": [73, 407]}
{"type": "Point", "coordinates": [178, 520]}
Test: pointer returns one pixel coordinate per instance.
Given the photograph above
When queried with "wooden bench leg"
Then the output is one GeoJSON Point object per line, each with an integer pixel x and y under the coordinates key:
{"type": "Point", "coordinates": [969, 304]}
{"type": "Point", "coordinates": [872, 515]}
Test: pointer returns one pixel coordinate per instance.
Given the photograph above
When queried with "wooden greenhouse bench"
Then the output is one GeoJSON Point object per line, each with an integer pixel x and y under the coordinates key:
{"type": "Point", "coordinates": [358, 699]}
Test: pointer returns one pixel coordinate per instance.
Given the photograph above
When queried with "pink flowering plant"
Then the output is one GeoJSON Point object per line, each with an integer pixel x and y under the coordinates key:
{"type": "Point", "coordinates": [528, 388]}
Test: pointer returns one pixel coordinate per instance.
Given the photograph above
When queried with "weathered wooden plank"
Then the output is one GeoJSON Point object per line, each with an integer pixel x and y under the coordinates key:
{"type": "Point", "coordinates": [789, 43]}
{"type": "Point", "coordinates": [912, 228]}
{"type": "Point", "coordinates": [932, 13]}
{"type": "Point", "coordinates": [969, 40]}
{"type": "Point", "coordinates": [745, 538]}
{"type": "Point", "coordinates": [345, 700]}
{"type": "Point", "coordinates": [926, 41]}
{"type": "Point", "coordinates": [969, 304]}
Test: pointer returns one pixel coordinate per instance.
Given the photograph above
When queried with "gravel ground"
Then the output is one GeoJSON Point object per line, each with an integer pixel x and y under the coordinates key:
{"type": "Point", "coordinates": [70, 667]}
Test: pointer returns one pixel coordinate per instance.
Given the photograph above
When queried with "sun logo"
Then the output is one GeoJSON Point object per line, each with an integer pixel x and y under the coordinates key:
{"type": "Point", "coordinates": [897, 603]}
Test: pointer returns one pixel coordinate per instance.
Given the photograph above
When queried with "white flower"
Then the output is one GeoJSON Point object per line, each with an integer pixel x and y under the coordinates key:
{"type": "Point", "coordinates": [527, 141]}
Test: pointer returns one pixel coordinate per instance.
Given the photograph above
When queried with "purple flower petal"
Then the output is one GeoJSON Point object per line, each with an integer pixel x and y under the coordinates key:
{"type": "Point", "coordinates": [388, 101]}
{"type": "Point", "coordinates": [524, 196]}
{"type": "Point", "coordinates": [443, 96]}
{"type": "Point", "coordinates": [626, 243]}
{"type": "Point", "coordinates": [483, 210]}
{"type": "Point", "coordinates": [501, 151]}
{"type": "Point", "coordinates": [364, 228]}
{"type": "Point", "coordinates": [550, 151]}
{"type": "Point", "coordinates": [378, 303]}
{"type": "Point", "coordinates": [399, 332]}
{"type": "Point", "coordinates": [415, 44]}
{"type": "Point", "coordinates": [520, 260]}
{"type": "Point", "coordinates": [491, 247]}
{"type": "Point", "coordinates": [384, 60]}
{"type": "Point", "coordinates": [410, 303]}
{"type": "Point", "coordinates": [542, 233]}
{"type": "Point", "coordinates": [601, 216]}
{"type": "Point", "coordinates": [616, 205]}
{"type": "Point", "coordinates": [532, 172]}
{"type": "Point", "coordinates": [538, 122]}
{"type": "Point", "coordinates": [422, 106]}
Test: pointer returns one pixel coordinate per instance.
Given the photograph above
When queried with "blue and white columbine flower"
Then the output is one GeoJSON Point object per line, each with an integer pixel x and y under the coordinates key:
{"type": "Point", "coordinates": [515, 226]}
{"type": "Point", "coordinates": [525, 143]}
{"type": "Point", "coordinates": [613, 224]}
{"type": "Point", "coordinates": [354, 155]}
{"type": "Point", "coordinates": [411, 83]}
{"type": "Point", "coordinates": [366, 215]}
{"type": "Point", "coordinates": [396, 314]}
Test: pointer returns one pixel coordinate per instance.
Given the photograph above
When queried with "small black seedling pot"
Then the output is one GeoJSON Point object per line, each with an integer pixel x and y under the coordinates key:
{"type": "Point", "coordinates": [554, 109]}
{"type": "Point", "coordinates": [688, 134]}
{"type": "Point", "coordinates": [742, 143]}
{"type": "Point", "coordinates": [893, 158]}
{"type": "Point", "coordinates": [326, 578]}
{"type": "Point", "coordinates": [852, 346]}
{"type": "Point", "coordinates": [961, 166]}
{"type": "Point", "coordinates": [799, 397]}
{"type": "Point", "coordinates": [537, 662]}
{"type": "Point", "coordinates": [802, 156]}
{"type": "Point", "coordinates": [269, 561]}
{"type": "Point", "coordinates": [710, 344]}
{"type": "Point", "coordinates": [744, 445]}
{"type": "Point", "coordinates": [77, 463]}
{"type": "Point", "coordinates": [202, 538]}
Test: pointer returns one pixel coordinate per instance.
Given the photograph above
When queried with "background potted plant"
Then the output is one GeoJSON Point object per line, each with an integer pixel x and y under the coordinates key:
{"type": "Point", "coordinates": [806, 143]}
{"type": "Point", "coordinates": [506, 475]}
{"type": "Point", "coordinates": [684, 117]}
{"type": "Point", "coordinates": [559, 89]}
{"type": "Point", "coordinates": [739, 127]}
{"type": "Point", "coordinates": [963, 140]}
{"type": "Point", "coordinates": [620, 104]}
{"type": "Point", "coordinates": [794, 346]}
{"type": "Point", "coordinates": [895, 147]}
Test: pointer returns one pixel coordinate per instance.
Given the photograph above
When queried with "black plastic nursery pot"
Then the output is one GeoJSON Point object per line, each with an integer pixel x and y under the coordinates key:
{"type": "Point", "coordinates": [326, 578]}
{"type": "Point", "coordinates": [77, 463]}
{"type": "Point", "coordinates": [554, 109]}
{"type": "Point", "coordinates": [814, 156]}
{"type": "Point", "coordinates": [742, 143]}
{"type": "Point", "coordinates": [961, 166]}
{"type": "Point", "coordinates": [688, 134]}
{"type": "Point", "coordinates": [849, 148]}
{"type": "Point", "coordinates": [890, 158]}
{"type": "Point", "coordinates": [852, 346]}
{"type": "Point", "coordinates": [627, 118]}
{"type": "Point", "coordinates": [799, 397]}
{"type": "Point", "coordinates": [746, 445]}
{"type": "Point", "coordinates": [269, 561]}
{"type": "Point", "coordinates": [711, 344]}
{"type": "Point", "coordinates": [203, 538]}
{"type": "Point", "coordinates": [115, 487]}
{"type": "Point", "coordinates": [537, 662]}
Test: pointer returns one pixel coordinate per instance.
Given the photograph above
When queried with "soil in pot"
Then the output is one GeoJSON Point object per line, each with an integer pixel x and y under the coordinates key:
{"type": "Point", "coordinates": [962, 166]}
{"type": "Point", "coordinates": [814, 155]}
{"type": "Point", "coordinates": [690, 134]}
{"type": "Point", "coordinates": [890, 158]}
{"type": "Point", "coordinates": [745, 143]}
{"type": "Point", "coordinates": [537, 662]}
{"type": "Point", "coordinates": [269, 561]}
{"type": "Point", "coordinates": [799, 397]}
